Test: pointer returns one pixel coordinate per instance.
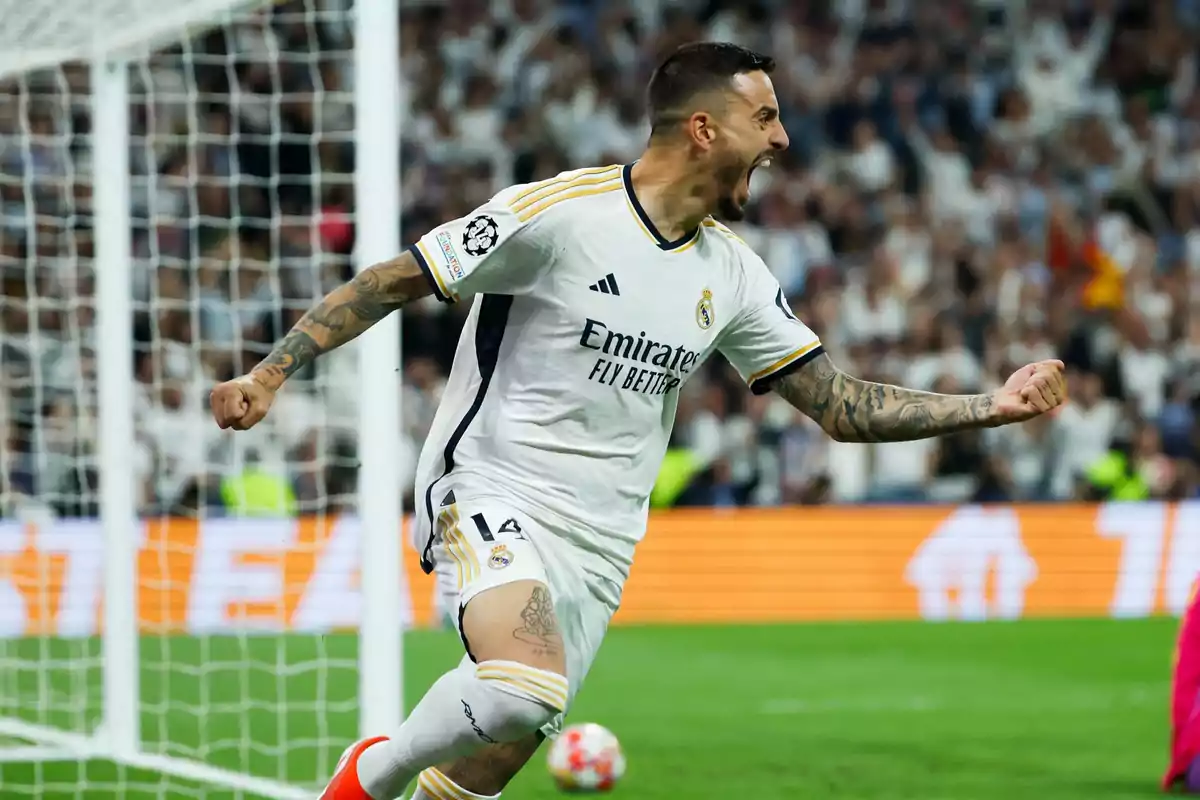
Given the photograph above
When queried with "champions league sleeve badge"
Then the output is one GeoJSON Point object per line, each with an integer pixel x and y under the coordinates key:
{"type": "Point", "coordinates": [480, 235]}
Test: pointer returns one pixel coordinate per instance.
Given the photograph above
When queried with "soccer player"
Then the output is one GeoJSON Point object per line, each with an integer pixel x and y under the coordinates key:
{"type": "Point", "coordinates": [596, 295]}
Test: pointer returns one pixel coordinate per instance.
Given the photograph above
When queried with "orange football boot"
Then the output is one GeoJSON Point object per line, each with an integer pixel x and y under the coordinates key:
{"type": "Point", "coordinates": [344, 784]}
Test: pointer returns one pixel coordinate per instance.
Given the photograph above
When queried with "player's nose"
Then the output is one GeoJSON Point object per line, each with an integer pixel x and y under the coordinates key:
{"type": "Point", "coordinates": [779, 138]}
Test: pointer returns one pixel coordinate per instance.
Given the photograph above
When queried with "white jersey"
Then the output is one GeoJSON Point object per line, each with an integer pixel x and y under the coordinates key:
{"type": "Point", "coordinates": [584, 325]}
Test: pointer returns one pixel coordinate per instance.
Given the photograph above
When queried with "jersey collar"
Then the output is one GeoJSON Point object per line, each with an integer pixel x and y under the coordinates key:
{"type": "Point", "coordinates": [644, 218]}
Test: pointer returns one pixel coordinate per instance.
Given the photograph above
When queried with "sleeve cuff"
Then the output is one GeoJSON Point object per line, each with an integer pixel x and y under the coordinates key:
{"type": "Point", "coordinates": [764, 383]}
{"type": "Point", "coordinates": [427, 270]}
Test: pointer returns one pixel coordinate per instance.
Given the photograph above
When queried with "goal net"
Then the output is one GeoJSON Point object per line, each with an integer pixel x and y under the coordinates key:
{"type": "Point", "coordinates": [240, 151]}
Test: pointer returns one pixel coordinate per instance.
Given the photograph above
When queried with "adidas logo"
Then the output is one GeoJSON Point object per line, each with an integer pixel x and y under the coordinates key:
{"type": "Point", "coordinates": [606, 285]}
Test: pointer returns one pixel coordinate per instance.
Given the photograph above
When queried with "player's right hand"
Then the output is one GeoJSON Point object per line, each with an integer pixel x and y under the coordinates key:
{"type": "Point", "coordinates": [240, 403]}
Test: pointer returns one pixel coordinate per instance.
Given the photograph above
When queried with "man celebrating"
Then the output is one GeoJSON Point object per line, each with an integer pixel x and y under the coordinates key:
{"type": "Point", "coordinates": [596, 295]}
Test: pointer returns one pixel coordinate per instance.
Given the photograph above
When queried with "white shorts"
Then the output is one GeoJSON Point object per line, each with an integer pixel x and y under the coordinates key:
{"type": "Point", "coordinates": [482, 543]}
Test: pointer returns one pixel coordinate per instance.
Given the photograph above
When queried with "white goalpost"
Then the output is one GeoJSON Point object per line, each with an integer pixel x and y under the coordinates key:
{"type": "Point", "coordinates": [185, 613]}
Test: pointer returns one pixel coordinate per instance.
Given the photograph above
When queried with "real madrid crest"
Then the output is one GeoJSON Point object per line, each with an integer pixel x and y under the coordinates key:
{"type": "Point", "coordinates": [705, 316]}
{"type": "Point", "coordinates": [500, 557]}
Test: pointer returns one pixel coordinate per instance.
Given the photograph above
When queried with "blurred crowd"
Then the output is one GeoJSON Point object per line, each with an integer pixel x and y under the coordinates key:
{"type": "Point", "coordinates": [971, 185]}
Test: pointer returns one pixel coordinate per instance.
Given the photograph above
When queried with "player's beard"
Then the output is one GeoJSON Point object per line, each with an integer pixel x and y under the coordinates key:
{"type": "Point", "coordinates": [729, 181]}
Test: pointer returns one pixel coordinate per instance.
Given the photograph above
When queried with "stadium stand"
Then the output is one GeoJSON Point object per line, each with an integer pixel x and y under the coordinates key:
{"type": "Point", "coordinates": [966, 189]}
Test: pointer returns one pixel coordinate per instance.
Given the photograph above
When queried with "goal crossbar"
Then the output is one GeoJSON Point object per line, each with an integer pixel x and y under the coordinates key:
{"type": "Point", "coordinates": [109, 36]}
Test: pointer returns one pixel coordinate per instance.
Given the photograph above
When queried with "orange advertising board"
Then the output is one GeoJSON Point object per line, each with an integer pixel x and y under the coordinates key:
{"type": "Point", "coordinates": [788, 564]}
{"type": "Point", "coordinates": [831, 563]}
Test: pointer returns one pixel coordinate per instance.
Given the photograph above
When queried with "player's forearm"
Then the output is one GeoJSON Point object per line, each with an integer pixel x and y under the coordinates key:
{"type": "Point", "coordinates": [854, 410]}
{"type": "Point", "coordinates": [342, 315]}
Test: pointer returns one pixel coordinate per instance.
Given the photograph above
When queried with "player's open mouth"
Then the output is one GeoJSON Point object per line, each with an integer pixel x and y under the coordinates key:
{"type": "Point", "coordinates": [762, 162]}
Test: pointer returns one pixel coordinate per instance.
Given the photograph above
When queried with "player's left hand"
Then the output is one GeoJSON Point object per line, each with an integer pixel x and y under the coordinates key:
{"type": "Point", "coordinates": [1031, 391]}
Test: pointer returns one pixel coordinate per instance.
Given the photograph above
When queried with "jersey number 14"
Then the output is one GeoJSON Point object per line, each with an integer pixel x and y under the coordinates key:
{"type": "Point", "coordinates": [509, 526]}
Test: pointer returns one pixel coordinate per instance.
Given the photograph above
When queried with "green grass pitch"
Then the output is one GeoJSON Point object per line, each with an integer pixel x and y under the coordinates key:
{"type": "Point", "coordinates": [986, 711]}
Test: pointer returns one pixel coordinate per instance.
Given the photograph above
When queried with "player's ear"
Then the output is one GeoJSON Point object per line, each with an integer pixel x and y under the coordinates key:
{"type": "Point", "coordinates": [702, 130]}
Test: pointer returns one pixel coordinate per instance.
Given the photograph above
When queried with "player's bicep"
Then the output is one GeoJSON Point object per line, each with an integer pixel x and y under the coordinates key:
{"type": "Point", "coordinates": [491, 250]}
{"type": "Point", "coordinates": [384, 287]}
{"type": "Point", "coordinates": [768, 342]}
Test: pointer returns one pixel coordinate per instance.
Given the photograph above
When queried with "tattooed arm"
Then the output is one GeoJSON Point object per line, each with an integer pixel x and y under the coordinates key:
{"type": "Point", "coordinates": [773, 350]}
{"type": "Point", "coordinates": [345, 312]}
{"type": "Point", "coordinates": [342, 315]}
{"type": "Point", "coordinates": [500, 248]}
{"type": "Point", "coordinates": [854, 410]}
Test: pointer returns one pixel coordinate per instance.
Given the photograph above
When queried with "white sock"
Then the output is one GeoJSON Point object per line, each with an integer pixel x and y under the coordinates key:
{"type": "Point", "coordinates": [432, 784]}
{"type": "Point", "coordinates": [465, 709]}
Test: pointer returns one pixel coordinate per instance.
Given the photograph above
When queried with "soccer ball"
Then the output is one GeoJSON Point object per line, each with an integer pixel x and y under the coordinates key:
{"type": "Point", "coordinates": [586, 758]}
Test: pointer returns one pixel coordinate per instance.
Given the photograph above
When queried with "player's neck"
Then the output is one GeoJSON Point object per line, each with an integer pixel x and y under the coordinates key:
{"type": "Point", "coordinates": [671, 193]}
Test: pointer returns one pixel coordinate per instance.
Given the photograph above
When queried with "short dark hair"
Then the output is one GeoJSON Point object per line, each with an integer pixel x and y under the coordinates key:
{"type": "Point", "coordinates": [695, 68]}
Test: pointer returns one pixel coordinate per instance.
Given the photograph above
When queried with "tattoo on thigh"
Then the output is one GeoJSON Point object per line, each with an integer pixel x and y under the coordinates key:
{"type": "Point", "coordinates": [540, 628]}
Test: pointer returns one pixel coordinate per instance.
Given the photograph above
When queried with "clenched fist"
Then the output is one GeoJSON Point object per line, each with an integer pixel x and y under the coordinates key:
{"type": "Point", "coordinates": [240, 403]}
{"type": "Point", "coordinates": [1031, 391]}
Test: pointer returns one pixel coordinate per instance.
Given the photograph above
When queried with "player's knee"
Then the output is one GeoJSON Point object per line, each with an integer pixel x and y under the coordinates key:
{"type": "Point", "coordinates": [524, 699]}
